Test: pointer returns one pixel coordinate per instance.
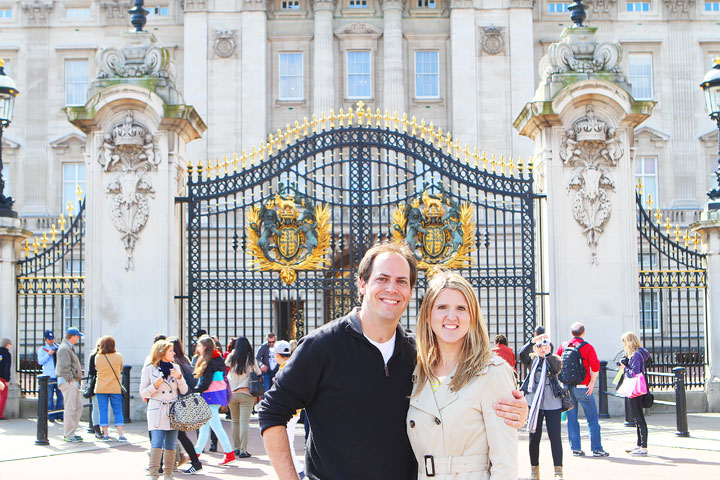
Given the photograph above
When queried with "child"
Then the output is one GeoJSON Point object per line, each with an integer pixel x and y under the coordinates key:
{"type": "Point", "coordinates": [283, 351]}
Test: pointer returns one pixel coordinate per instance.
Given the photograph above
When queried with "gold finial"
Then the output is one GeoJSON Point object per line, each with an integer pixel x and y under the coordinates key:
{"type": "Point", "coordinates": [387, 119]}
{"type": "Point", "coordinates": [244, 159]}
{"type": "Point", "coordinates": [658, 215]}
{"type": "Point", "coordinates": [26, 248]}
{"type": "Point", "coordinates": [2, 62]}
{"type": "Point", "coordinates": [466, 152]}
{"type": "Point", "coordinates": [716, 60]}
{"type": "Point", "coordinates": [332, 118]}
{"type": "Point", "coordinates": [35, 245]}
{"type": "Point", "coordinates": [288, 131]}
{"type": "Point", "coordinates": [502, 164]}
{"type": "Point", "coordinates": [350, 115]}
{"type": "Point", "coordinates": [306, 125]}
{"type": "Point", "coordinates": [323, 121]}
{"type": "Point", "coordinates": [422, 129]}
{"type": "Point", "coordinates": [252, 155]}
{"type": "Point", "coordinates": [378, 117]}
{"type": "Point", "coordinates": [404, 123]}
{"type": "Point", "coordinates": [493, 163]}
{"type": "Point", "coordinates": [695, 240]}
{"type": "Point", "coordinates": [70, 208]}
{"type": "Point", "coordinates": [413, 124]}
{"type": "Point", "coordinates": [686, 238]}
{"type": "Point", "coordinates": [677, 233]}
{"type": "Point", "coordinates": [227, 165]}
{"type": "Point", "coordinates": [440, 138]}
{"type": "Point", "coordinates": [360, 112]}
{"type": "Point", "coordinates": [341, 117]}
{"type": "Point", "coordinates": [79, 192]}
{"type": "Point", "coordinates": [511, 167]}
{"type": "Point", "coordinates": [235, 162]}
{"type": "Point", "coordinates": [484, 160]}
{"type": "Point", "coordinates": [44, 241]}
{"type": "Point", "coordinates": [640, 187]}
{"type": "Point", "coordinates": [520, 166]}
{"type": "Point", "coordinates": [650, 202]}
{"type": "Point", "coordinates": [314, 123]}
{"type": "Point", "coordinates": [475, 157]}
{"type": "Point", "coordinates": [368, 116]}
{"type": "Point", "coordinates": [531, 166]}
{"type": "Point", "coordinates": [190, 168]}
{"type": "Point", "coordinates": [396, 120]}
{"type": "Point", "coordinates": [53, 233]}
{"type": "Point", "coordinates": [360, 106]}
{"type": "Point", "coordinates": [667, 226]}
{"type": "Point", "coordinates": [297, 128]}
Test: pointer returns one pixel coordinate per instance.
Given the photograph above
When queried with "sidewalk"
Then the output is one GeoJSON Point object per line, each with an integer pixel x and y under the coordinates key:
{"type": "Point", "coordinates": [670, 456]}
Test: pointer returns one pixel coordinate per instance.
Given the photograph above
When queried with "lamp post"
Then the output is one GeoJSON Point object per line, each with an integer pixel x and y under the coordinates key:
{"type": "Point", "coordinates": [711, 88]}
{"type": "Point", "coordinates": [8, 92]}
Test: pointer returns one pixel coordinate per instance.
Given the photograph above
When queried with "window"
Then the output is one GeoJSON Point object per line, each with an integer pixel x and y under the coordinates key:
{"type": "Point", "coordinates": [159, 11]}
{"type": "Point", "coordinates": [77, 12]}
{"type": "Point", "coordinates": [558, 7]}
{"type": "Point", "coordinates": [73, 177]}
{"type": "Point", "coordinates": [76, 82]}
{"type": "Point", "coordinates": [646, 173]}
{"type": "Point", "coordinates": [358, 4]}
{"type": "Point", "coordinates": [426, 3]}
{"type": "Point", "coordinates": [73, 311]}
{"type": "Point", "coordinates": [637, 6]}
{"type": "Point", "coordinates": [290, 5]}
{"type": "Point", "coordinates": [358, 74]}
{"type": "Point", "coordinates": [712, 6]}
{"type": "Point", "coordinates": [640, 73]}
{"type": "Point", "coordinates": [5, 13]}
{"type": "Point", "coordinates": [291, 76]}
{"type": "Point", "coordinates": [649, 310]}
{"type": "Point", "coordinates": [647, 261]}
{"type": "Point", "coordinates": [427, 77]}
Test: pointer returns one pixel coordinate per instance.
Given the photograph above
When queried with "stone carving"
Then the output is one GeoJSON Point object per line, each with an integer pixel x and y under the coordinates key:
{"type": "Point", "coordinates": [129, 151]}
{"type": "Point", "coordinates": [116, 11]}
{"type": "Point", "coordinates": [224, 44]}
{"type": "Point", "coordinates": [37, 12]}
{"type": "Point", "coordinates": [492, 40]}
{"type": "Point", "coordinates": [590, 147]}
{"type": "Point", "coordinates": [679, 6]}
{"type": "Point", "coordinates": [358, 28]}
{"type": "Point", "coordinates": [192, 5]}
{"type": "Point", "coordinates": [600, 6]}
{"type": "Point", "coordinates": [134, 60]}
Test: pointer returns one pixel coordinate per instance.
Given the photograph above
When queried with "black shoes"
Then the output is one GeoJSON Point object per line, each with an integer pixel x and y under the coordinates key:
{"type": "Point", "coordinates": [241, 454]}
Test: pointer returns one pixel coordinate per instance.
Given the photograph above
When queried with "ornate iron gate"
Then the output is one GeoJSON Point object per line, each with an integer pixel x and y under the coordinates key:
{"type": "Point", "coordinates": [275, 235]}
{"type": "Point", "coordinates": [673, 297]}
{"type": "Point", "coordinates": [50, 290]}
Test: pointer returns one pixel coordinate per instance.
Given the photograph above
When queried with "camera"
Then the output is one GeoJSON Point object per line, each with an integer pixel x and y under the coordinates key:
{"type": "Point", "coordinates": [545, 341]}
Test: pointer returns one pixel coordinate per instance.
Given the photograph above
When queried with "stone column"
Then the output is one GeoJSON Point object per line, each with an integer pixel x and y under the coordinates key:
{"type": "Point", "coordinates": [11, 234]}
{"type": "Point", "coordinates": [582, 124]}
{"type": "Point", "coordinates": [195, 65]}
{"type": "Point", "coordinates": [463, 73]}
{"type": "Point", "coordinates": [520, 51]}
{"type": "Point", "coordinates": [709, 229]}
{"type": "Point", "coordinates": [393, 65]}
{"type": "Point", "coordinates": [323, 91]}
{"type": "Point", "coordinates": [137, 131]}
{"type": "Point", "coordinates": [254, 46]}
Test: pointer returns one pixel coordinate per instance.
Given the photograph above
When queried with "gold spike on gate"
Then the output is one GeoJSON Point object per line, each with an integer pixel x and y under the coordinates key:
{"type": "Point", "coordinates": [350, 116]}
{"type": "Point", "coordinates": [639, 187]}
{"type": "Point", "coordinates": [667, 226]}
{"type": "Point", "coordinates": [314, 123]}
{"type": "Point", "coordinates": [520, 166]}
{"type": "Point", "coordinates": [396, 121]}
{"type": "Point", "coordinates": [44, 240]}
{"type": "Point", "coordinates": [297, 127]}
{"type": "Point", "coordinates": [332, 118]}
{"type": "Point", "coordinates": [531, 166]}
{"type": "Point", "coordinates": [26, 248]}
{"type": "Point", "coordinates": [658, 216]}
{"type": "Point", "coordinates": [235, 162]}
{"type": "Point", "coordinates": [35, 245]}
{"type": "Point", "coordinates": [511, 167]}
{"type": "Point", "coordinates": [53, 233]}
{"type": "Point", "coordinates": [79, 192]}
{"type": "Point", "coordinates": [306, 125]}
{"type": "Point", "coordinates": [368, 116]}
{"type": "Point", "coordinates": [70, 209]}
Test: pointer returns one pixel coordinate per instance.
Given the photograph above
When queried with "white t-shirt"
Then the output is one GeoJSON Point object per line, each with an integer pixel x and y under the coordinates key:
{"type": "Point", "coordinates": [271, 357]}
{"type": "Point", "coordinates": [386, 348]}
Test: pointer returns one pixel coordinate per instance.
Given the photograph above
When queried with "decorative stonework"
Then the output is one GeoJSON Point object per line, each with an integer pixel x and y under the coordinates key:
{"type": "Point", "coordinates": [224, 43]}
{"type": "Point", "coordinates": [134, 60]}
{"type": "Point", "coordinates": [193, 5]}
{"type": "Point", "coordinates": [129, 152]}
{"type": "Point", "coordinates": [358, 28]}
{"type": "Point", "coordinates": [590, 148]}
{"type": "Point", "coordinates": [254, 5]}
{"type": "Point", "coordinates": [492, 40]}
{"type": "Point", "coordinates": [679, 6]}
{"type": "Point", "coordinates": [37, 12]}
{"type": "Point", "coordinates": [601, 6]}
{"type": "Point", "coordinates": [116, 11]}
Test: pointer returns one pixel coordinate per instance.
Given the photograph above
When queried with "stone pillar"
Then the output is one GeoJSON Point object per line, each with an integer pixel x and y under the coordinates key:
{"type": "Point", "coordinates": [137, 131]}
{"type": "Point", "coordinates": [323, 90]}
{"type": "Point", "coordinates": [520, 51]}
{"type": "Point", "coordinates": [582, 120]}
{"type": "Point", "coordinates": [11, 234]}
{"type": "Point", "coordinates": [254, 46]}
{"type": "Point", "coordinates": [709, 229]}
{"type": "Point", "coordinates": [393, 66]}
{"type": "Point", "coordinates": [463, 73]}
{"type": "Point", "coordinates": [195, 64]}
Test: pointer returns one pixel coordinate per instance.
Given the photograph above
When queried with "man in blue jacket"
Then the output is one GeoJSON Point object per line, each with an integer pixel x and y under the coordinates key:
{"type": "Point", "coordinates": [353, 377]}
{"type": "Point", "coordinates": [48, 360]}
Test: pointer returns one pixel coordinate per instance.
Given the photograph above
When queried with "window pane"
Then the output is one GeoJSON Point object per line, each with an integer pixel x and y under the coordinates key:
{"type": "Point", "coordinates": [290, 76]}
{"type": "Point", "coordinates": [76, 82]}
{"type": "Point", "coordinates": [426, 74]}
{"type": "Point", "coordinates": [646, 174]}
{"type": "Point", "coordinates": [558, 7]}
{"type": "Point", "coordinates": [358, 74]}
{"type": "Point", "coordinates": [640, 76]}
{"type": "Point", "coordinates": [5, 13]}
{"type": "Point", "coordinates": [73, 176]}
{"type": "Point", "coordinates": [77, 13]}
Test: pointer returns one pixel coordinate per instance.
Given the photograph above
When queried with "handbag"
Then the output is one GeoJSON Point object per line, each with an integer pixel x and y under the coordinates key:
{"type": "Point", "coordinates": [88, 389]}
{"type": "Point", "coordinates": [256, 385]}
{"type": "Point", "coordinates": [640, 388]}
{"type": "Point", "coordinates": [648, 400]}
{"type": "Point", "coordinates": [566, 398]}
{"type": "Point", "coordinates": [633, 386]}
{"type": "Point", "coordinates": [189, 412]}
{"type": "Point", "coordinates": [123, 390]}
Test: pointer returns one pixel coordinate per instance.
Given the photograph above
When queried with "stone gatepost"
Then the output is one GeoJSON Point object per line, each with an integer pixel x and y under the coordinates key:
{"type": "Point", "coordinates": [137, 128]}
{"type": "Point", "coordinates": [709, 229]}
{"type": "Point", "coordinates": [581, 120]}
{"type": "Point", "coordinates": [11, 235]}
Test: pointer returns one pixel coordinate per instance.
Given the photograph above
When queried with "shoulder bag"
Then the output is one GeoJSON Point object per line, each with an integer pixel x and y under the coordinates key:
{"type": "Point", "coordinates": [256, 385]}
{"type": "Point", "coordinates": [88, 389]}
{"type": "Point", "coordinates": [189, 412]}
{"type": "Point", "coordinates": [122, 387]}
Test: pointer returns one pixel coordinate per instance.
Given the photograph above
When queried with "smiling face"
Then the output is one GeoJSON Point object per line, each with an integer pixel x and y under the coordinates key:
{"type": "Point", "coordinates": [450, 318]}
{"type": "Point", "coordinates": [387, 291]}
{"type": "Point", "coordinates": [169, 355]}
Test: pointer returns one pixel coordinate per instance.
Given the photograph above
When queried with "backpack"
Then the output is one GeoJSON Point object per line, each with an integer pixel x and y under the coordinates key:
{"type": "Point", "coordinates": [572, 371]}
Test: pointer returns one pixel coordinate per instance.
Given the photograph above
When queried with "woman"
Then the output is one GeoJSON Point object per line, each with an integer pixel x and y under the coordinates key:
{"type": "Point", "coordinates": [92, 372]}
{"type": "Point", "coordinates": [211, 384]}
{"type": "Point", "coordinates": [636, 357]}
{"type": "Point", "coordinates": [451, 423]}
{"type": "Point", "coordinates": [161, 384]}
{"type": "Point", "coordinates": [108, 388]}
{"type": "Point", "coordinates": [187, 372]}
{"type": "Point", "coordinates": [545, 399]}
{"type": "Point", "coordinates": [241, 361]}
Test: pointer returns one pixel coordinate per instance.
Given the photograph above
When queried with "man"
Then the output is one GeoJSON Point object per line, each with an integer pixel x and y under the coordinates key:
{"type": "Point", "coordinates": [266, 361]}
{"type": "Point", "coordinates": [582, 394]}
{"type": "Point", "coordinates": [503, 351]}
{"type": "Point", "coordinates": [69, 373]}
{"type": "Point", "coordinates": [5, 363]}
{"type": "Point", "coordinates": [47, 360]}
{"type": "Point", "coordinates": [353, 377]}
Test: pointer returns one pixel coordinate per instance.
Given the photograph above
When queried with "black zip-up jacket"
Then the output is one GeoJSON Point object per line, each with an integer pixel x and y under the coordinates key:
{"type": "Point", "coordinates": [356, 404]}
{"type": "Point", "coordinates": [216, 364]}
{"type": "Point", "coordinates": [5, 363]}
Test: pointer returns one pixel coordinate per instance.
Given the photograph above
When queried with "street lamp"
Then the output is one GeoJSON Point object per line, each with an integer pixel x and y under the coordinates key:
{"type": "Point", "coordinates": [711, 87]}
{"type": "Point", "coordinates": [8, 92]}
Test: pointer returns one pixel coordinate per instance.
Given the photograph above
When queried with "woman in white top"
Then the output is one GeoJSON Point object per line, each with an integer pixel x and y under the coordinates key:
{"type": "Point", "coordinates": [241, 361]}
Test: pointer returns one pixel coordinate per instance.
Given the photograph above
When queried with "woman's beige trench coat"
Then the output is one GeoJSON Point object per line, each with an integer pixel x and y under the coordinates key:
{"type": "Point", "coordinates": [160, 399]}
{"type": "Point", "coordinates": [460, 433]}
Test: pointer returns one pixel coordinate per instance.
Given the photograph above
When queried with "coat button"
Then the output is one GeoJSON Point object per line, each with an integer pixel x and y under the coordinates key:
{"type": "Point", "coordinates": [412, 423]}
{"type": "Point", "coordinates": [437, 421]}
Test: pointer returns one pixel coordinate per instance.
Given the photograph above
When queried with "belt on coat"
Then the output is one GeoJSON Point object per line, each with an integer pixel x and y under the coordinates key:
{"type": "Point", "coordinates": [459, 464]}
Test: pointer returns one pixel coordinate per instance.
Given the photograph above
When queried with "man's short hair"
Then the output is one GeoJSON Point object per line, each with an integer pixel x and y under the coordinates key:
{"type": "Point", "coordinates": [539, 330]}
{"type": "Point", "coordinates": [5, 342]}
{"type": "Point", "coordinates": [577, 329]}
{"type": "Point", "coordinates": [271, 335]}
{"type": "Point", "coordinates": [159, 337]}
{"type": "Point", "coordinates": [368, 261]}
{"type": "Point", "coordinates": [500, 338]}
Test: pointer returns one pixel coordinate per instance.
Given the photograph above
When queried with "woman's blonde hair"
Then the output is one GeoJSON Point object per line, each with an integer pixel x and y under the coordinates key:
{"type": "Point", "coordinates": [208, 348]}
{"type": "Point", "coordinates": [158, 351]}
{"type": "Point", "coordinates": [631, 343]}
{"type": "Point", "coordinates": [475, 353]}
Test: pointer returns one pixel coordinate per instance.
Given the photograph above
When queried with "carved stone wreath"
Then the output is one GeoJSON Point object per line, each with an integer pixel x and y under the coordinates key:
{"type": "Point", "coordinates": [224, 44]}
{"type": "Point", "coordinates": [129, 153]}
{"type": "Point", "coordinates": [492, 40]}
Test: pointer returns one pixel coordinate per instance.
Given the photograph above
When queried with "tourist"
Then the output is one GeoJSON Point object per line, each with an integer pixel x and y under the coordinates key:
{"type": "Point", "coordinates": [108, 387]}
{"type": "Point", "coordinates": [241, 362]}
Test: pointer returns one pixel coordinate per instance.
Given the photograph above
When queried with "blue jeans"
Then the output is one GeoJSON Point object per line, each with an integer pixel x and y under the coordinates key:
{"type": "Point", "coordinates": [116, 403]}
{"type": "Point", "coordinates": [216, 424]}
{"type": "Point", "coordinates": [163, 439]}
{"type": "Point", "coordinates": [53, 403]}
{"type": "Point", "coordinates": [267, 380]}
{"type": "Point", "coordinates": [591, 414]}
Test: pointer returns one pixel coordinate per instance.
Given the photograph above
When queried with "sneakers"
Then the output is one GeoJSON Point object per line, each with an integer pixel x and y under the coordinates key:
{"type": "Point", "coordinates": [122, 438]}
{"type": "Point", "coordinates": [600, 453]}
{"type": "Point", "coordinates": [639, 452]}
{"type": "Point", "coordinates": [229, 457]}
{"type": "Point", "coordinates": [631, 449]}
{"type": "Point", "coordinates": [243, 455]}
{"type": "Point", "coordinates": [192, 470]}
{"type": "Point", "coordinates": [107, 438]}
{"type": "Point", "coordinates": [75, 439]}
{"type": "Point", "coordinates": [578, 453]}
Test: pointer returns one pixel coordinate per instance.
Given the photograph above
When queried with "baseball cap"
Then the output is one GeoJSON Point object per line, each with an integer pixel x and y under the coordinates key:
{"type": "Point", "coordinates": [73, 331]}
{"type": "Point", "coordinates": [283, 347]}
{"type": "Point", "coordinates": [48, 335]}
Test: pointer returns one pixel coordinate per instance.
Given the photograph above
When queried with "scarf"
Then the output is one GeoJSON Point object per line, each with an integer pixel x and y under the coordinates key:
{"type": "Point", "coordinates": [165, 368]}
{"type": "Point", "coordinates": [538, 389]}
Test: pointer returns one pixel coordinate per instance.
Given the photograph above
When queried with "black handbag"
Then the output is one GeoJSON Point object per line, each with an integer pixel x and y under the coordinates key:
{"type": "Point", "coordinates": [88, 389]}
{"type": "Point", "coordinates": [567, 403]}
{"type": "Point", "coordinates": [647, 400]}
{"type": "Point", "coordinates": [256, 385]}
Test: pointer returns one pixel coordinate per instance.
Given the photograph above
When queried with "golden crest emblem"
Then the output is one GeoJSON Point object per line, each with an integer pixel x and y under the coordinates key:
{"type": "Point", "coordinates": [289, 233]}
{"type": "Point", "coordinates": [436, 228]}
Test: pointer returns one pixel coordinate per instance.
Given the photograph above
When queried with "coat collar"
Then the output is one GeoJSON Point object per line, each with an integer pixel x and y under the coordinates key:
{"type": "Point", "coordinates": [433, 402]}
